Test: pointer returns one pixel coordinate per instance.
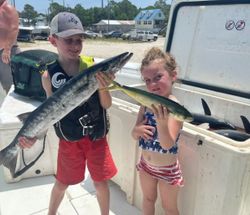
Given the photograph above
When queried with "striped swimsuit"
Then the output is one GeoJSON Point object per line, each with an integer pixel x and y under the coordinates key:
{"type": "Point", "coordinates": [172, 173]}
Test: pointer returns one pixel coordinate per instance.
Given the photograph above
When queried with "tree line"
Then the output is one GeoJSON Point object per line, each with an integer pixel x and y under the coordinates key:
{"type": "Point", "coordinates": [123, 10]}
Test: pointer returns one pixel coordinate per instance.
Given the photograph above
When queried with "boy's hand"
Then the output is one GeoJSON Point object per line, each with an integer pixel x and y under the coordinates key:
{"type": "Point", "coordinates": [25, 142]}
{"type": "Point", "coordinates": [103, 80]}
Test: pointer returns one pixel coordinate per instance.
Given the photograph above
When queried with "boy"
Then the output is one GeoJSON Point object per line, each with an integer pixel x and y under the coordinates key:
{"type": "Point", "coordinates": [82, 132]}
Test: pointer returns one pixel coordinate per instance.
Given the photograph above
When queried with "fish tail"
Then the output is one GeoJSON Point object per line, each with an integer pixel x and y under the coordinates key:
{"type": "Point", "coordinates": [113, 84]}
{"type": "Point", "coordinates": [8, 158]}
{"type": "Point", "coordinates": [246, 124]}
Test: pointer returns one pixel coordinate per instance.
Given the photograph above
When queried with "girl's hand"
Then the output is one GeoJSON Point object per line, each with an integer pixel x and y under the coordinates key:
{"type": "Point", "coordinates": [103, 81]}
{"type": "Point", "coordinates": [161, 114]}
{"type": "Point", "coordinates": [144, 131]}
{"type": "Point", "coordinates": [25, 142]}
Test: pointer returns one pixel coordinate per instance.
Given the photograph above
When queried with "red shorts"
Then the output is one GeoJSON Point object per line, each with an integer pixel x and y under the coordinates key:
{"type": "Point", "coordinates": [73, 157]}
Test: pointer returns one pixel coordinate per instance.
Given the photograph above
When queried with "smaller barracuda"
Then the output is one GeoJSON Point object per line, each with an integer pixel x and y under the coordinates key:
{"type": "Point", "coordinates": [147, 99]}
{"type": "Point", "coordinates": [236, 134]}
{"type": "Point", "coordinates": [64, 100]}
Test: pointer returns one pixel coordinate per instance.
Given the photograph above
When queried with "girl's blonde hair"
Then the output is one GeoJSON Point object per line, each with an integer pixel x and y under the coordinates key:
{"type": "Point", "coordinates": [157, 54]}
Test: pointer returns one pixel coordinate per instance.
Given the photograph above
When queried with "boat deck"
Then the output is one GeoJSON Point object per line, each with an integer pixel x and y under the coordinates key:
{"type": "Point", "coordinates": [31, 197]}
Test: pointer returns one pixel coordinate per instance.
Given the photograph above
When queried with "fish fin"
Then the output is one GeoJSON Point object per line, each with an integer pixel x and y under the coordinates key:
{"type": "Point", "coordinates": [110, 88]}
{"type": "Point", "coordinates": [113, 88]}
{"type": "Point", "coordinates": [113, 84]}
{"type": "Point", "coordinates": [22, 117]}
{"type": "Point", "coordinates": [205, 107]}
{"type": "Point", "coordinates": [246, 124]}
{"type": "Point", "coordinates": [8, 162]}
{"type": "Point", "coordinates": [103, 88]}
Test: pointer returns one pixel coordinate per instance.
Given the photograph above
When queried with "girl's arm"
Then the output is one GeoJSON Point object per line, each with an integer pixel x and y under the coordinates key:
{"type": "Point", "coordinates": [140, 129]}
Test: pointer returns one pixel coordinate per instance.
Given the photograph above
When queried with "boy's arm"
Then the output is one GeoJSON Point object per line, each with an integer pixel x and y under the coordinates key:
{"type": "Point", "coordinates": [104, 95]}
{"type": "Point", "coordinates": [105, 98]}
{"type": "Point", "coordinates": [25, 142]}
{"type": "Point", "coordinates": [46, 82]}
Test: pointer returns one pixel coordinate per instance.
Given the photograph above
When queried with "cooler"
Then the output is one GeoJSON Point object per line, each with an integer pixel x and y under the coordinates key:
{"type": "Point", "coordinates": [214, 64]}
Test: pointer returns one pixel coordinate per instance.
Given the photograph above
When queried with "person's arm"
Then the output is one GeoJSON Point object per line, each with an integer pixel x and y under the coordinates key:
{"type": "Point", "coordinates": [25, 142]}
{"type": "Point", "coordinates": [104, 95]}
{"type": "Point", "coordinates": [46, 82]}
{"type": "Point", "coordinates": [140, 129]}
{"type": "Point", "coordinates": [12, 22]}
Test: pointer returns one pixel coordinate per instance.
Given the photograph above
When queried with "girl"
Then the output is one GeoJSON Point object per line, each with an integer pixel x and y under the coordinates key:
{"type": "Point", "coordinates": [158, 134]}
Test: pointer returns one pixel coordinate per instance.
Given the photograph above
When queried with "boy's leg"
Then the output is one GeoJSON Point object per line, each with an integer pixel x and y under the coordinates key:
{"type": "Point", "coordinates": [101, 168]}
{"type": "Point", "coordinates": [103, 196]}
{"type": "Point", "coordinates": [149, 190]}
{"type": "Point", "coordinates": [56, 197]}
{"type": "Point", "coordinates": [169, 195]}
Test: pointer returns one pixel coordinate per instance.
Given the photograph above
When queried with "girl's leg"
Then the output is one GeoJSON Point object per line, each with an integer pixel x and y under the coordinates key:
{"type": "Point", "coordinates": [149, 190]}
{"type": "Point", "coordinates": [169, 195]}
{"type": "Point", "coordinates": [56, 197]}
{"type": "Point", "coordinates": [102, 194]}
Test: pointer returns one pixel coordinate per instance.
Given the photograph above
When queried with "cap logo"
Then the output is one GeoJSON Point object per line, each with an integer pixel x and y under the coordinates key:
{"type": "Point", "coordinates": [72, 19]}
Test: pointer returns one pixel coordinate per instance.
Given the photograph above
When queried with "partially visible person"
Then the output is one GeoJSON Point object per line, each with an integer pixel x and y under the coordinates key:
{"type": "Point", "coordinates": [82, 132]}
{"type": "Point", "coordinates": [9, 23]}
{"type": "Point", "coordinates": [158, 133]}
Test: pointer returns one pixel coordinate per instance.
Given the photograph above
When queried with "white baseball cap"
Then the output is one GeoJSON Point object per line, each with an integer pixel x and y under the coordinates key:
{"type": "Point", "coordinates": [65, 24]}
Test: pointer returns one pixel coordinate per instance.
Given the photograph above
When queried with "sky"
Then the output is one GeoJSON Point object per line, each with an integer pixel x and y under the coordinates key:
{"type": "Point", "coordinates": [41, 6]}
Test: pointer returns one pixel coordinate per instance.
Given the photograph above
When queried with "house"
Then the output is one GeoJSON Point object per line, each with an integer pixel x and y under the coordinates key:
{"type": "Point", "coordinates": [114, 25]}
{"type": "Point", "coordinates": [152, 20]}
{"type": "Point", "coordinates": [41, 28]}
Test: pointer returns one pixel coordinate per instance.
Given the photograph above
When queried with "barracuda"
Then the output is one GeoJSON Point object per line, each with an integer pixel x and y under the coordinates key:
{"type": "Point", "coordinates": [236, 134]}
{"type": "Point", "coordinates": [213, 123]}
{"type": "Point", "coordinates": [64, 100]}
{"type": "Point", "coordinates": [147, 99]}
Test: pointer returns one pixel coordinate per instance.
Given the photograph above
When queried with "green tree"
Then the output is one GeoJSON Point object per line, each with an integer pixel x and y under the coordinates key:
{"type": "Point", "coordinates": [29, 13]}
{"type": "Point", "coordinates": [126, 10]}
{"type": "Point", "coordinates": [165, 8]}
{"type": "Point", "coordinates": [123, 10]}
{"type": "Point", "coordinates": [55, 8]}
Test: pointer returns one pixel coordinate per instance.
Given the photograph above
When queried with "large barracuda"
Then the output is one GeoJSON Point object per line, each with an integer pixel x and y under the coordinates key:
{"type": "Point", "coordinates": [64, 100]}
{"type": "Point", "coordinates": [147, 99]}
